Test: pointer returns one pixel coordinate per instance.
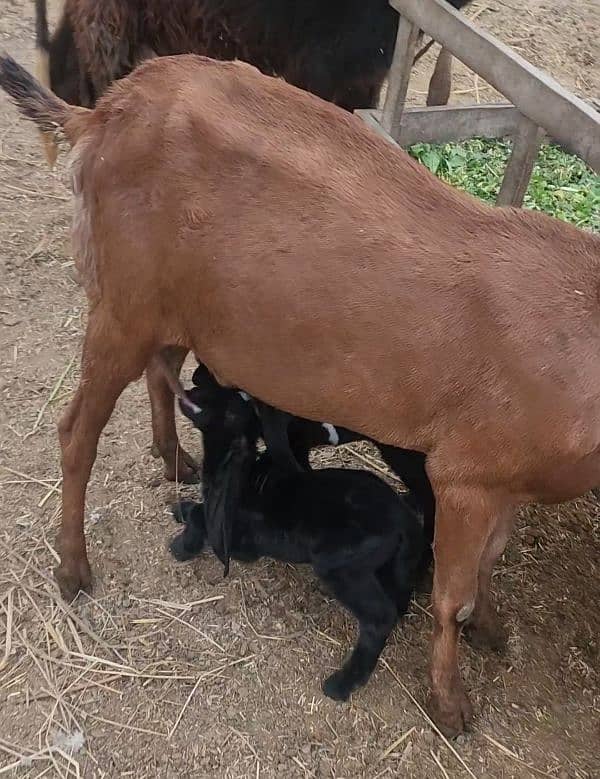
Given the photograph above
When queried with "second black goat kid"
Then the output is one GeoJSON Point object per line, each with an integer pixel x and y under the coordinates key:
{"type": "Point", "coordinates": [362, 539]}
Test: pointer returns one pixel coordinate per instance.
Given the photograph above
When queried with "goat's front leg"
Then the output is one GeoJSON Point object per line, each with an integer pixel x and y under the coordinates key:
{"type": "Point", "coordinates": [465, 520]}
{"type": "Point", "coordinates": [362, 594]}
{"type": "Point", "coordinates": [179, 465]}
{"type": "Point", "coordinates": [108, 365]}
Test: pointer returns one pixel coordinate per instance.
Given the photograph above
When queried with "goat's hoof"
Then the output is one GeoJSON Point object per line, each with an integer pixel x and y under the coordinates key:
{"type": "Point", "coordinates": [182, 511]}
{"type": "Point", "coordinates": [73, 579]}
{"type": "Point", "coordinates": [337, 686]}
{"type": "Point", "coordinates": [488, 634]}
{"type": "Point", "coordinates": [452, 713]}
{"type": "Point", "coordinates": [183, 469]}
{"type": "Point", "coordinates": [179, 550]}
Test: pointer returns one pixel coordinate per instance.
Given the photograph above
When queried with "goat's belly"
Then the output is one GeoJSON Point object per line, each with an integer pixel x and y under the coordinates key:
{"type": "Point", "coordinates": [545, 453]}
{"type": "Point", "coordinates": [569, 481]}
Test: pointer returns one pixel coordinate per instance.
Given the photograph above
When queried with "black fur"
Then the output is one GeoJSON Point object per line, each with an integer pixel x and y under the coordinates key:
{"type": "Point", "coordinates": [362, 539]}
{"type": "Point", "coordinates": [67, 77]}
{"type": "Point", "coordinates": [339, 49]}
{"type": "Point", "coordinates": [301, 435]}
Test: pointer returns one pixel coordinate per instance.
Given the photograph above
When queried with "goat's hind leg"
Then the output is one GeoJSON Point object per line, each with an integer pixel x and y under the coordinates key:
{"type": "Point", "coordinates": [362, 594]}
{"type": "Point", "coordinates": [109, 363]}
{"type": "Point", "coordinates": [179, 465]}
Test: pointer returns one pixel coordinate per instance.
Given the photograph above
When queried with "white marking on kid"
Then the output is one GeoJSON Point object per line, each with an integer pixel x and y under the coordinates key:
{"type": "Point", "coordinates": [192, 406]}
{"type": "Point", "coordinates": [334, 437]}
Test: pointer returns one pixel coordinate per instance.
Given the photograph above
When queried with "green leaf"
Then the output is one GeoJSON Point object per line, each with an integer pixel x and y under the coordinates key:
{"type": "Point", "coordinates": [432, 160]}
{"type": "Point", "coordinates": [561, 184]}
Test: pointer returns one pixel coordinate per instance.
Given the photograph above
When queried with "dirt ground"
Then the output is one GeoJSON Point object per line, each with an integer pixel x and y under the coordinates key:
{"type": "Point", "coordinates": [172, 671]}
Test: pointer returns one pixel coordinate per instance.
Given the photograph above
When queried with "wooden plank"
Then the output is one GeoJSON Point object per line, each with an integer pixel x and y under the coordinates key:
{"type": "Point", "coordinates": [372, 118]}
{"type": "Point", "coordinates": [566, 118]}
{"type": "Point", "coordinates": [526, 144]}
{"type": "Point", "coordinates": [443, 124]}
{"type": "Point", "coordinates": [399, 75]}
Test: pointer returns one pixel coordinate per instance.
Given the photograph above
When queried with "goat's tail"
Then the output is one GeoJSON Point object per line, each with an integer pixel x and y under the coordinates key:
{"type": "Point", "coordinates": [51, 114]}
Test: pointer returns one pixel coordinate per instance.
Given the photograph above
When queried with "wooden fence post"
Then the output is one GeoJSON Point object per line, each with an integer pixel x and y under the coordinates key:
{"type": "Point", "coordinates": [526, 143]}
{"type": "Point", "coordinates": [399, 76]}
{"type": "Point", "coordinates": [569, 120]}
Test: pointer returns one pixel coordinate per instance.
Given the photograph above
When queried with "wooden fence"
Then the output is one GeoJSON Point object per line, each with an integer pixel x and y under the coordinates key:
{"type": "Point", "coordinates": [539, 106]}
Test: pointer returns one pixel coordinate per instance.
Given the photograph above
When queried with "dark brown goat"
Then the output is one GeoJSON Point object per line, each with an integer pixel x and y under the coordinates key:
{"type": "Point", "coordinates": [340, 49]}
{"type": "Point", "coordinates": [302, 257]}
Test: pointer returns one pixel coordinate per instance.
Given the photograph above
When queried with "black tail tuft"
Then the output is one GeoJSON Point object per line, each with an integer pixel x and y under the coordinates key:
{"type": "Point", "coordinates": [42, 34]}
{"type": "Point", "coordinates": [33, 100]}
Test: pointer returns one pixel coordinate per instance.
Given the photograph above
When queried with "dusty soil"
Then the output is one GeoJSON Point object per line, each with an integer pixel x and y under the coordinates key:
{"type": "Point", "coordinates": [171, 671]}
{"type": "Point", "coordinates": [561, 38]}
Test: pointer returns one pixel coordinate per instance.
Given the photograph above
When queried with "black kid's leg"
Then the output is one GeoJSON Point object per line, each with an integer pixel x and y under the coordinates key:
{"type": "Point", "coordinates": [410, 467]}
{"type": "Point", "coordinates": [398, 581]}
{"type": "Point", "coordinates": [190, 542]}
{"type": "Point", "coordinates": [362, 594]}
{"type": "Point", "coordinates": [275, 434]}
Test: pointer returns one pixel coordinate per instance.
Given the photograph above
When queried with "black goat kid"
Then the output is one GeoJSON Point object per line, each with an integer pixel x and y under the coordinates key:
{"type": "Point", "coordinates": [290, 439]}
{"type": "Point", "coordinates": [362, 539]}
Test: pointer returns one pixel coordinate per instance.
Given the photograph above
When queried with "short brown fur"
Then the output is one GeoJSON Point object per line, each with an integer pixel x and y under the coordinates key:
{"type": "Point", "coordinates": [307, 261]}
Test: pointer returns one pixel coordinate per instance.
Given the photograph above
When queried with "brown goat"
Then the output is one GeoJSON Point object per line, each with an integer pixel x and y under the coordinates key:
{"type": "Point", "coordinates": [340, 50]}
{"type": "Point", "coordinates": [303, 258]}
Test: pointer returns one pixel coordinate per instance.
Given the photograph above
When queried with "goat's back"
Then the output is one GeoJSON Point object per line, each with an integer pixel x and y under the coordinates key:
{"type": "Point", "coordinates": [307, 260]}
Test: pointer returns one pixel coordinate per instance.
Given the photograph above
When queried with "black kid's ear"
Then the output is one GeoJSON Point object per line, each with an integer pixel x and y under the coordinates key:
{"type": "Point", "coordinates": [223, 501]}
{"type": "Point", "coordinates": [203, 378]}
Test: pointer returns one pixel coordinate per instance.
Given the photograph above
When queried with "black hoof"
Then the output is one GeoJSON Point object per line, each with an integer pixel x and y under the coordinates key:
{"type": "Point", "coordinates": [182, 511]}
{"type": "Point", "coordinates": [337, 686]}
{"type": "Point", "coordinates": [181, 550]}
